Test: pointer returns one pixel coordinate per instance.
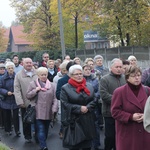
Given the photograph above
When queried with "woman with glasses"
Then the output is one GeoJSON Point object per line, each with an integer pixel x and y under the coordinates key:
{"type": "Point", "coordinates": [127, 109]}
{"type": "Point", "coordinates": [78, 97]}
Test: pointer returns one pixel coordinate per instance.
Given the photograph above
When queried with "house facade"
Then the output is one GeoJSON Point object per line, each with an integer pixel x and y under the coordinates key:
{"type": "Point", "coordinates": [18, 41]}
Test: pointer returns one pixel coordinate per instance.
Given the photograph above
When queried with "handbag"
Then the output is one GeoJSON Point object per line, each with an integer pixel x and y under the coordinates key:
{"type": "Point", "coordinates": [72, 131]}
{"type": "Point", "coordinates": [87, 121]}
{"type": "Point", "coordinates": [30, 114]}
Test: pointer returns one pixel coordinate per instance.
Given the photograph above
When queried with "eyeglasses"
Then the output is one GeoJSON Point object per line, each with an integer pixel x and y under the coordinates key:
{"type": "Point", "coordinates": [46, 57]}
{"type": "Point", "coordinates": [136, 75]}
{"type": "Point", "coordinates": [78, 74]}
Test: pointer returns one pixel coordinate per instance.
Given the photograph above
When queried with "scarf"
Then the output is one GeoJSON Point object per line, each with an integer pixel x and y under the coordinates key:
{"type": "Point", "coordinates": [80, 86]}
{"type": "Point", "coordinates": [135, 88]}
{"type": "Point", "coordinates": [46, 87]}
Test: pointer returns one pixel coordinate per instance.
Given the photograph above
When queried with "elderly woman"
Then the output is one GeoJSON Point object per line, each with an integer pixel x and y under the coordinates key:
{"type": "Point", "coordinates": [8, 104]}
{"type": "Point", "coordinates": [127, 109]}
{"type": "Point", "coordinates": [132, 59]}
{"type": "Point", "coordinates": [42, 94]}
{"type": "Point", "coordinates": [77, 97]}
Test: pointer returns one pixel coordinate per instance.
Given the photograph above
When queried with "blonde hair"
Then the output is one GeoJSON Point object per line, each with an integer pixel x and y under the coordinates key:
{"type": "Point", "coordinates": [41, 70]}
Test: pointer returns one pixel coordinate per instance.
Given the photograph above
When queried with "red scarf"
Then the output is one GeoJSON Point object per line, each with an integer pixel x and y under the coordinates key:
{"type": "Point", "coordinates": [80, 86]}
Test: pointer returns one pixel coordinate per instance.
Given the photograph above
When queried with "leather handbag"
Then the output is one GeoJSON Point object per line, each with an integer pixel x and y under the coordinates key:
{"type": "Point", "coordinates": [30, 114]}
{"type": "Point", "coordinates": [73, 133]}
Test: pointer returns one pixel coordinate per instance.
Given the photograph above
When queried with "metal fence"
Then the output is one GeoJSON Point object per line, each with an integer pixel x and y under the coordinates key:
{"type": "Point", "coordinates": [141, 53]}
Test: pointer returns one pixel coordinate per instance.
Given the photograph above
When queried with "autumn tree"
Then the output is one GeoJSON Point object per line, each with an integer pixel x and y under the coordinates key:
{"type": "Point", "coordinates": [36, 18]}
{"type": "Point", "coordinates": [3, 39]}
{"type": "Point", "coordinates": [128, 21]}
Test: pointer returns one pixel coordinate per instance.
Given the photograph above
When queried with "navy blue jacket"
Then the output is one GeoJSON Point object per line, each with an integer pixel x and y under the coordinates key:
{"type": "Point", "coordinates": [6, 85]}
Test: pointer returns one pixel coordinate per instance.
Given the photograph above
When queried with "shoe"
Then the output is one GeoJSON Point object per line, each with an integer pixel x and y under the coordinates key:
{"type": "Point", "coordinates": [9, 133]}
{"type": "Point", "coordinates": [18, 134]}
{"type": "Point", "coordinates": [60, 135]}
{"type": "Point", "coordinates": [45, 148]}
{"type": "Point", "coordinates": [28, 140]}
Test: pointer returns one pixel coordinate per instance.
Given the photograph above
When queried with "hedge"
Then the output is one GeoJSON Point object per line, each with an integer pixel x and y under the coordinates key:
{"type": "Point", "coordinates": [37, 55]}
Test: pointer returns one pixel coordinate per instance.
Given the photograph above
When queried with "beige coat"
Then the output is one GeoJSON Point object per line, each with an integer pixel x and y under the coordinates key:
{"type": "Point", "coordinates": [46, 104]}
{"type": "Point", "coordinates": [147, 115]}
{"type": "Point", "coordinates": [21, 84]}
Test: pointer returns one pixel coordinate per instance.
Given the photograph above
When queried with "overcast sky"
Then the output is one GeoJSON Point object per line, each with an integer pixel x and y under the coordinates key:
{"type": "Point", "coordinates": [7, 14]}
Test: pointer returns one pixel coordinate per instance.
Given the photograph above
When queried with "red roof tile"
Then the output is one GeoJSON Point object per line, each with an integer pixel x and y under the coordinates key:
{"type": "Point", "coordinates": [19, 36]}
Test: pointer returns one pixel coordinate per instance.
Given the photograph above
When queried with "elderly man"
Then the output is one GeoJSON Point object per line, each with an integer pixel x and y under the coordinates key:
{"type": "Point", "coordinates": [108, 84]}
{"type": "Point", "coordinates": [21, 83]}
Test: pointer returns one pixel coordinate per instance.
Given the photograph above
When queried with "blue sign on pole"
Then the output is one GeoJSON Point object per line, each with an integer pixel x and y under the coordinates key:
{"type": "Point", "coordinates": [91, 36]}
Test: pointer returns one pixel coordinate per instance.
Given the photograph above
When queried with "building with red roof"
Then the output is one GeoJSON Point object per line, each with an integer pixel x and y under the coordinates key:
{"type": "Point", "coordinates": [18, 41]}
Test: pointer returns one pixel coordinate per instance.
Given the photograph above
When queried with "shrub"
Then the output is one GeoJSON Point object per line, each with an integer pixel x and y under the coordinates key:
{"type": "Point", "coordinates": [4, 147]}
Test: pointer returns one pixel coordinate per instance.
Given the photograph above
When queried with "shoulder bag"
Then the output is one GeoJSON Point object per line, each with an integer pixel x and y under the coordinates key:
{"type": "Point", "coordinates": [72, 131]}
{"type": "Point", "coordinates": [30, 114]}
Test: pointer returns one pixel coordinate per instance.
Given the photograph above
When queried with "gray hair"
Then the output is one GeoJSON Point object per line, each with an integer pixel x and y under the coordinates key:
{"type": "Point", "coordinates": [98, 57]}
{"type": "Point", "coordinates": [73, 68]}
{"type": "Point", "coordinates": [9, 63]}
{"type": "Point", "coordinates": [42, 69]}
{"type": "Point", "coordinates": [114, 60]}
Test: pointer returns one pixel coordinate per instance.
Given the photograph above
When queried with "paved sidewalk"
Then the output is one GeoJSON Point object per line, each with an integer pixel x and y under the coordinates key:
{"type": "Point", "coordinates": [18, 143]}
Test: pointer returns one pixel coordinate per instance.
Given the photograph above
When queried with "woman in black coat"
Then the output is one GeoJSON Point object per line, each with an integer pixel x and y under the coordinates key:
{"type": "Point", "coordinates": [8, 103]}
{"type": "Point", "coordinates": [77, 97]}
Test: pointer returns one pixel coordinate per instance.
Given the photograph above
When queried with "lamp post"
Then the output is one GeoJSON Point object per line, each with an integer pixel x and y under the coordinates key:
{"type": "Point", "coordinates": [61, 30]}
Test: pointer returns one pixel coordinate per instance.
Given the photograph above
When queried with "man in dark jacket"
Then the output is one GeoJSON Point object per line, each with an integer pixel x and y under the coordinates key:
{"type": "Point", "coordinates": [108, 84]}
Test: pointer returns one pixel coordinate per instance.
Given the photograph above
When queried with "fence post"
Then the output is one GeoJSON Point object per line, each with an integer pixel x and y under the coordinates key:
{"type": "Point", "coordinates": [105, 53]}
{"type": "Point", "coordinates": [133, 50]}
{"type": "Point", "coordinates": [118, 51]}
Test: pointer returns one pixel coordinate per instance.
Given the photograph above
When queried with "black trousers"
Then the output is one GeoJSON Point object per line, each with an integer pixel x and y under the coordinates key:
{"type": "Point", "coordinates": [26, 127]}
{"type": "Point", "coordinates": [1, 117]}
{"type": "Point", "coordinates": [109, 142]}
{"type": "Point", "coordinates": [9, 116]}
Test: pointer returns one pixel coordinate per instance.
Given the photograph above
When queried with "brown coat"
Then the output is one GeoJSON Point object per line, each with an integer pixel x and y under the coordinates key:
{"type": "Point", "coordinates": [46, 104]}
{"type": "Point", "coordinates": [21, 84]}
{"type": "Point", "coordinates": [130, 135]}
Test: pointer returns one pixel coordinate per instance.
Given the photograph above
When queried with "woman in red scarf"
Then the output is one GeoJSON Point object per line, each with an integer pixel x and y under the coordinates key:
{"type": "Point", "coordinates": [78, 96]}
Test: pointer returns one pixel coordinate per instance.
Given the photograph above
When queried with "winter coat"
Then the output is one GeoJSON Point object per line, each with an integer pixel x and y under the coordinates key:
{"type": "Point", "coordinates": [21, 84]}
{"type": "Point", "coordinates": [60, 83]}
{"type": "Point", "coordinates": [46, 104]}
{"type": "Point", "coordinates": [147, 115]}
{"type": "Point", "coordinates": [92, 79]}
{"type": "Point", "coordinates": [108, 84]}
{"type": "Point", "coordinates": [7, 85]}
{"type": "Point", "coordinates": [130, 135]}
{"type": "Point", "coordinates": [51, 76]}
{"type": "Point", "coordinates": [71, 99]}
{"type": "Point", "coordinates": [57, 77]}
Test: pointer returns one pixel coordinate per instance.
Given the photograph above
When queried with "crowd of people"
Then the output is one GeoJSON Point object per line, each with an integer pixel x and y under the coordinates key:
{"type": "Point", "coordinates": [112, 98]}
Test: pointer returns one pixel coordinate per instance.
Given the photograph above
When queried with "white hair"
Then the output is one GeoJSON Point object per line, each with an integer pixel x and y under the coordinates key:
{"type": "Point", "coordinates": [131, 57]}
{"type": "Point", "coordinates": [73, 68]}
{"type": "Point", "coordinates": [9, 63]}
{"type": "Point", "coordinates": [41, 70]}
